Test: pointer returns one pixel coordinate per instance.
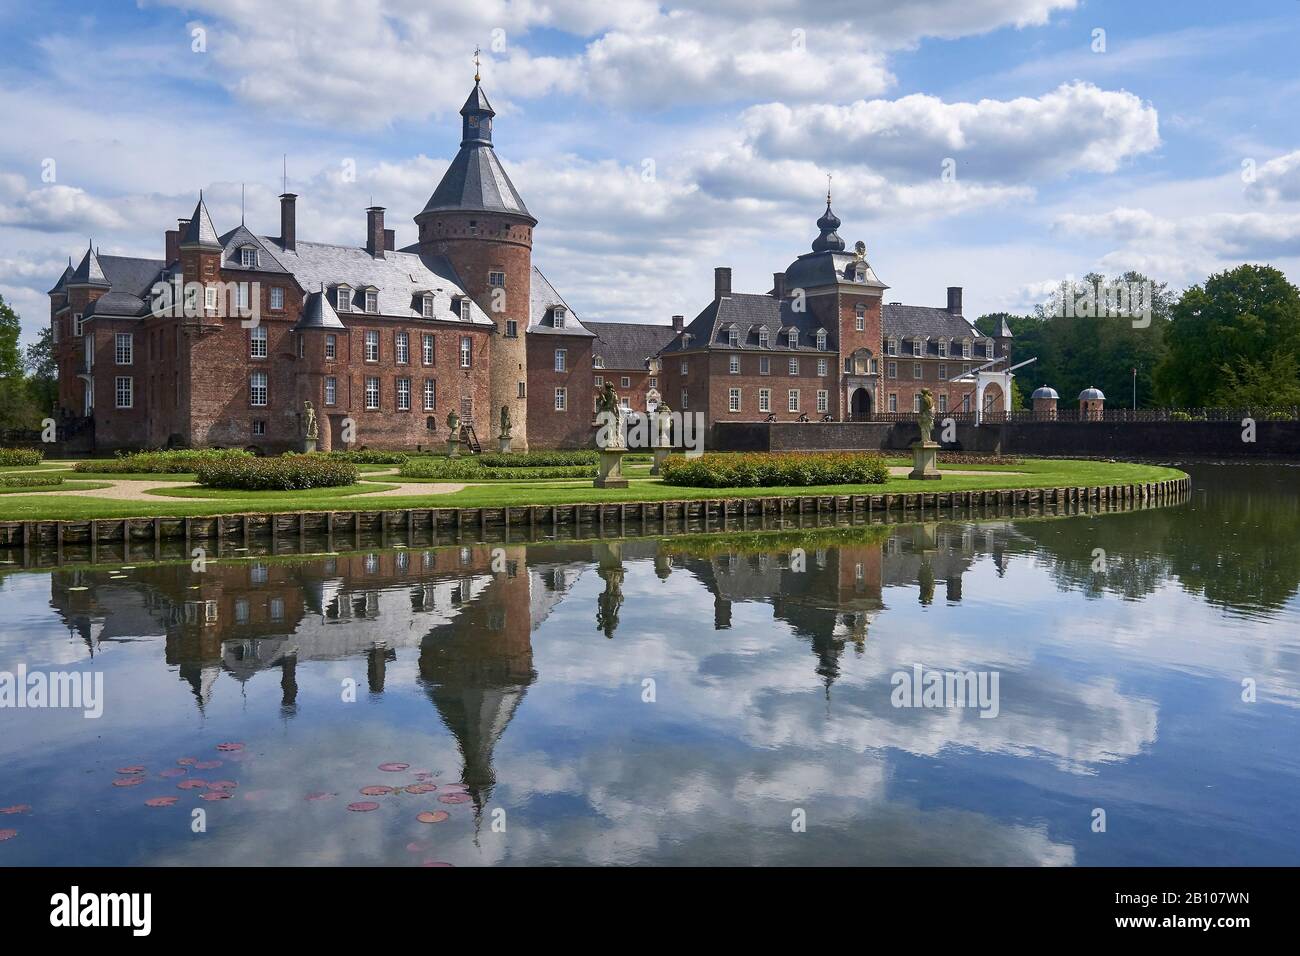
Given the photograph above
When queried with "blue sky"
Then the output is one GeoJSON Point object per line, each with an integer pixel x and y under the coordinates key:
{"type": "Point", "coordinates": [654, 142]}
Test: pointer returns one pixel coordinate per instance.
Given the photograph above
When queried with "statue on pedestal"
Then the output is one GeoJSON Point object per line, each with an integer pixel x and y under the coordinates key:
{"type": "Point", "coordinates": [925, 453]}
{"type": "Point", "coordinates": [453, 434]}
{"type": "Point", "coordinates": [503, 440]}
{"type": "Point", "coordinates": [310, 430]}
{"type": "Point", "coordinates": [926, 421]}
{"type": "Point", "coordinates": [610, 413]}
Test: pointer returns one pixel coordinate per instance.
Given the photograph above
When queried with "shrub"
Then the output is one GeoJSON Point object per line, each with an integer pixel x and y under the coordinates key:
{"type": "Point", "coordinates": [539, 459]}
{"type": "Point", "coordinates": [174, 462]}
{"type": "Point", "coordinates": [472, 469]}
{"type": "Point", "coordinates": [367, 456]}
{"type": "Point", "coordinates": [20, 456]}
{"type": "Point", "coordinates": [29, 481]}
{"type": "Point", "coordinates": [764, 470]}
{"type": "Point", "coordinates": [286, 473]}
{"type": "Point", "coordinates": [962, 458]}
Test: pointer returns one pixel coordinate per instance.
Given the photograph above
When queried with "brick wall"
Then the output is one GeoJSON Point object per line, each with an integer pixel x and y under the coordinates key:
{"type": "Point", "coordinates": [709, 381]}
{"type": "Point", "coordinates": [549, 428]}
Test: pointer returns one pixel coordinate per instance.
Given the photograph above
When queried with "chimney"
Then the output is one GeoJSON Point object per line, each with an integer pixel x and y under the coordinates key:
{"type": "Point", "coordinates": [721, 282]}
{"type": "Point", "coordinates": [375, 231]}
{"type": "Point", "coordinates": [390, 239]}
{"type": "Point", "coordinates": [954, 299]}
{"type": "Point", "coordinates": [679, 322]}
{"type": "Point", "coordinates": [778, 285]}
{"type": "Point", "coordinates": [288, 221]}
{"type": "Point", "coordinates": [172, 241]}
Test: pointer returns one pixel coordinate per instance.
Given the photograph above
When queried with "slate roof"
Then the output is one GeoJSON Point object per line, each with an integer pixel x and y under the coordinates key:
{"type": "Point", "coordinates": [200, 231]}
{"type": "Point", "coordinates": [475, 180]}
{"type": "Point", "coordinates": [130, 281]}
{"type": "Point", "coordinates": [748, 313]}
{"type": "Point", "coordinates": [89, 271]}
{"type": "Point", "coordinates": [627, 345]}
{"type": "Point", "coordinates": [401, 278]}
{"type": "Point", "coordinates": [63, 280]}
{"type": "Point", "coordinates": [909, 322]}
{"type": "Point", "coordinates": [318, 313]}
{"type": "Point", "coordinates": [231, 257]}
{"type": "Point", "coordinates": [542, 299]}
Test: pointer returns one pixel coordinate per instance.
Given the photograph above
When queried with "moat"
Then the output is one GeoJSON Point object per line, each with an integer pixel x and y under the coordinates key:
{"type": "Point", "coordinates": [687, 699]}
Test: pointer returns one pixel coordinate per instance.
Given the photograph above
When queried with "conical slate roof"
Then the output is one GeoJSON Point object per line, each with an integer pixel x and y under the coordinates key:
{"type": "Point", "coordinates": [476, 181]}
{"type": "Point", "coordinates": [317, 313]}
{"type": "Point", "coordinates": [200, 231]}
{"type": "Point", "coordinates": [63, 280]}
{"type": "Point", "coordinates": [89, 271]}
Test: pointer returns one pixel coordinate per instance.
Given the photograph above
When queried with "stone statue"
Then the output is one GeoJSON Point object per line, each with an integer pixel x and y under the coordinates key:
{"type": "Point", "coordinates": [453, 423]}
{"type": "Point", "coordinates": [607, 404]}
{"type": "Point", "coordinates": [310, 430]}
{"type": "Point", "coordinates": [505, 421]}
{"type": "Point", "coordinates": [926, 420]}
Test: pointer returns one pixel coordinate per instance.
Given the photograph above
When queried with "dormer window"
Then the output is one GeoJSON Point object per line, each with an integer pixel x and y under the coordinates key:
{"type": "Point", "coordinates": [464, 309]}
{"type": "Point", "coordinates": [965, 348]}
{"type": "Point", "coordinates": [557, 316]}
{"type": "Point", "coordinates": [988, 348]}
{"type": "Point", "coordinates": [248, 257]}
{"type": "Point", "coordinates": [427, 306]}
{"type": "Point", "coordinates": [343, 298]}
{"type": "Point", "coordinates": [733, 337]}
{"type": "Point", "coordinates": [821, 340]}
{"type": "Point", "coordinates": [891, 347]}
{"type": "Point", "coordinates": [943, 349]}
{"type": "Point", "coordinates": [792, 338]}
{"type": "Point", "coordinates": [860, 273]}
{"type": "Point", "coordinates": [762, 338]}
{"type": "Point", "coordinates": [372, 301]}
{"type": "Point", "coordinates": [917, 347]}
{"type": "Point", "coordinates": [597, 361]}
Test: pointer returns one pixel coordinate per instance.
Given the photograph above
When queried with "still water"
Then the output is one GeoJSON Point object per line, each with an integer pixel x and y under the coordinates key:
{"type": "Point", "coordinates": [714, 699]}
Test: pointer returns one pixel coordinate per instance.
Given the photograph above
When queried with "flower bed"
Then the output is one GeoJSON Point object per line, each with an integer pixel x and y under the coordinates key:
{"type": "Point", "coordinates": [174, 462]}
{"type": "Point", "coordinates": [286, 473]}
{"type": "Point", "coordinates": [765, 470]}
{"type": "Point", "coordinates": [12, 457]}
{"type": "Point", "coordinates": [539, 459]}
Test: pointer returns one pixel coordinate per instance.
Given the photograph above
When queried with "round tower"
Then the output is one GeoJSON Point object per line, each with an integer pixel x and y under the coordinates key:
{"type": "Point", "coordinates": [478, 222]}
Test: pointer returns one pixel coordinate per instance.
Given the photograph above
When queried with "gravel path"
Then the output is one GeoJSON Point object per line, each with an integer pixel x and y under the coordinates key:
{"type": "Point", "coordinates": [128, 489]}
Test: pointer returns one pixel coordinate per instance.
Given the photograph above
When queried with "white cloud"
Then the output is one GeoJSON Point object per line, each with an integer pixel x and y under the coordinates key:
{"type": "Point", "coordinates": [1278, 180]}
{"type": "Point", "coordinates": [53, 208]}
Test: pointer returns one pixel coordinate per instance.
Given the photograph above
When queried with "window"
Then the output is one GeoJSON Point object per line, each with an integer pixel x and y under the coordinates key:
{"type": "Point", "coordinates": [943, 372]}
{"type": "Point", "coordinates": [242, 297]}
{"type": "Point", "coordinates": [331, 346]}
{"type": "Point", "coordinates": [792, 338]}
{"type": "Point", "coordinates": [916, 370]}
{"type": "Point", "coordinates": [123, 348]}
{"type": "Point", "coordinates": [277, 298]}
{"type": "Point", "coordinates": [685, 402]}
{"type": "Point", "coordinates": [522, 391]}
{"type": "Point", "coordinates": [654, 382]}
{"type": "Point", "coordinates": [823, 401]}
{"type": "Point", "coordinates": [372, 301]}
{"type": "Point", "coordinates": [943, 349]}
{"type": "Point", "coordinates": [891, 370]}
{"type": "Point", "coordinates": [559, 316]}
{"type": "Point", "coordinates": [860, 319]}
{"type": "Point", "coordinates": [733, 338]}
{"type": "Point", "coordinates": [209, 297]}
{"type": "Point", "coordinates": [257, 341]}
{"type": "Point", "coordinates": [916, 402]}
{"type": "Point", "coordinates": [402, 346]}
{"type": "Point", "coordinates": [684, 366]}
{"type": "Point", "coordinates": [597, 362]}
{"type": "Point", "coordinates": [794, 366]}
{"type": "Point", "coordinates": [733, 365]}
{"type": "Point", "coordinates": [77, 323]}
{"type": "Point", "coordinates": [965, 403]}
{"type": "Point", "coordinates": [893, 401]}
{"type": "Point", "coordinates": [124, 391]}
{"type": "Point", "coordinates": [466, 351]}
{"type": "Point", "coordinates": [821, 340]}
{"type": "Point", "coordinates": [762, 338]}
{"type": "Point", "coordinates": [561, 399]}
{"type": "Point", "coordinates": [625, 382]}
{"type": "Point", "coordinates": [248, 257]}
{"type": "Point", "coordinates": [343, 299]}
{"type": "Point", "coordinates": [426, 349]}
{"type": "Point", "coordinates": [891, 347]}
{"type": "Point", "coordinates": [764, 399]}
{"type": "Point", "coordinates": [426, 306]}
{"type": "Point", "coordinates": [512, 329]}
{"type": "Point", "coordinates": [600, 381]}
{"type": "Point", "coordinates": [821, 366]}
{"type": "Point", "coordinates": [498, 281]}
{"type": "Point", "coordinates": [463, 309]}
{"type": "Point", "coordinates": [259, 426]}
{"type": "Point", "coordinates": [331, 390]}
{"type": "Point", "coordinates": [430, 395]}
{"type": "Point", "coordinates": [943, 402]}
{"type": "Point", "coordinates": [794, 400]}
{"type": "Point", "coordinates": [257, 389]}
{"type": "Point", "coordinates": [916, 348]}
{"type": "Point", "coordinates": [372, 345]}
{"type": "Point", "coordinates": [88, 347]}
{"type": "Point", "coordinates": [988, 348]}
{"type": "Point", "coordinates": [764, 365]}
{"type": "Point", "coordinates": [372, 392]}
{"type": "Point", "coordinates": [965, 348]}
{"type": "Point", "coordinates": [561, 360]}
{"type": "Point", "coordinates": [302, 345]}
{"type": "Point", "coordinates": [403, 394]}
{"type": "Point", "coordinates": [733, 399]}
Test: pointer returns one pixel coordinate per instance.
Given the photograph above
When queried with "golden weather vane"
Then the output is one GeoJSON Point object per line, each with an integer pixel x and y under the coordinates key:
{"type": "Point", "coordinates": [476, 54]}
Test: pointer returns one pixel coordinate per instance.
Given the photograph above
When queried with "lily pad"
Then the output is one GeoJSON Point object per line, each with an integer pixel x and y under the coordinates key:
{"type": "Point", "coordinates": [433, 816]}
{"type": "Point", "coordinates": [376, 791]}
{"type": "Point", "coordinates": [454, 798]}
{"type": "Point", "coordinates": [161, 801]}
{"type": "Point", "coordinates": [128, 781]}
{"type": "Point", "coordinates": [194, 783]}
{"type": "Point", "coordinates": [7, 835]}
{"type": "Point", "coordinates": [363, 806]}
{"type": "Point", "coordinates": [16, 808]}
{"type": "Point", "coordinates": [216, 795]}
{"type": "Point", "coordinates": [395, 767]}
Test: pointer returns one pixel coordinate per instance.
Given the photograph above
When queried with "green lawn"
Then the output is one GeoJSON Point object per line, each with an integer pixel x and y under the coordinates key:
{"type": "Point", "coordinates": [288, 500]}
{"type": "Point", "coordinates": [66, 486]}
{"type": "Point", "coordinates": [1032, 473]}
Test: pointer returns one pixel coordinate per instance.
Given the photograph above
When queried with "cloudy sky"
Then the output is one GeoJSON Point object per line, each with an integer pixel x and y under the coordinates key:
{"type": "Point", "coordinates": [1001, 145]}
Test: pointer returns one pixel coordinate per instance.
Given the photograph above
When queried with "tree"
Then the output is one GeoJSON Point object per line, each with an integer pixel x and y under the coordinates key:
{"type": "Point", "coordinates": [42, 371]}
{"type": "Point", "coordinates": [17, 410]}
{"type": "Point", "coordinates": [1237, 335]}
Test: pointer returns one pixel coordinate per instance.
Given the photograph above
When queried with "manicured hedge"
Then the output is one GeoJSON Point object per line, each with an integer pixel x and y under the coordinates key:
{"type": "Point", "coordinates": [961, 458]}
{"type": "Point", "coordinates": [29, 481]}
{"type": "Point", "coordinates": [174, 462]}
{"type": "Point", "coordinates": [368, 457]}
{"type": "Point", "coordinates": [286, 473]}
{"type": "Point", "coordinates": [20, 456]}
{"type": "Point", "coordinates": [470, 469]}
{"type": "Point", "coordinates": [765, 470]}
{"type": "Point", "coordinates": [539, 459]}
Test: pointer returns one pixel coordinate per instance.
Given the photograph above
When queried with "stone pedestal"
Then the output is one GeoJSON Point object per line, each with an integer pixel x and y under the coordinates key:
{"type": "Point", "coordinates": [611, 468]}
{"type": "Point", "coordinates": [453, 448]}
{"type": "Point", "coordinates": [925, 461]}
{"type": "Point", "coordinates": [309, 445]}
{"type": "Point", "coordinates": [660, 455]}
{"type": "Point", "coordinates": [503, 444]}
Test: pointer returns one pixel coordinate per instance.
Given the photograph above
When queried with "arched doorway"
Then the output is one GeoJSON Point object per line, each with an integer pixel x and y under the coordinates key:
{"type": "Point", "coordinates": [993, 402]}
{"type": "Point", "coordinates": [860, 405]}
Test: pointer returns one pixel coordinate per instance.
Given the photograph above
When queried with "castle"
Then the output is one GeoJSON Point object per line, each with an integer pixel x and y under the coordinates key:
{"type": "Point", "coordinates": [222, 341]}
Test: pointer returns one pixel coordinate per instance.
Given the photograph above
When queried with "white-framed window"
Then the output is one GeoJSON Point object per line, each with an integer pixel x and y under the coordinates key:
{"type": "Point", "coordinates": [917, 348]}
{"type": "Point", "coordinates": [402, 346]}
{"type": "Point", "coordinates": [988, 348]}
{"type": "Point", "coordinates": [733, 399]}
{"type": "Point", "coordinates": [794, 400]}
{"type": "Point", "coordinates": [302, 345]}
{"type": "Point", "coordinates": [893, 401]}
{"type": "Point", "coordinates": [257, 389]}
{"type": "Point", "coordinates": [943, 349]}
{"type": "Point", "coordinates": [372, 392]}
{"type": "Point", "coordinates": [430, 395]}
{"type": "Point", "coordinates": [277, 298]}
{"type": "Point", "coordinates": [372, 301]}
{"type": "Point", "coordinates": [762, 338]}
{"type": "Point", "coordinates": [209, 297]}
{"type": "Point", "coordinates": [823, 401]}
{"type": "Point", "coordinates": [764, 399]}
{"type": "Point", "coordinates": [764, 365]}
{"type": "Point", "coordinates": [821, 366]}
{"type": "Point", "coordinates": [625, 382]}
{"type": "Point", "coordinates": [943, 402]}
{"type": "Point", "coordinates": [561, 360]}
{"type": "Point", "coordinates": [257, 341]}
{"type": "Point", "coordinates": [343, 298]}
{"type": "Point", "coordinates": [685, 366]}
{"type": "Point", "coordinates": [891, 370]}
{"type": "Point", "coordinates": [124, 391]}
{"type": "Point", "coordinates": [372, 345]}
{"type": "Point", "coordinates": [512, 329]}
{"type": "Point", "coordinates": [625, 402]}
{"type": "Point", "coordinates": [427, 306]}
{"type": "Point", "coordinates": [965, 403]}
{"type": "Point", "coordinates": [88, 350]}
{"type": "Point", "coordinates": [497, 280]}
{"type": "Point", "coordinates": [733, 365]}
{"type": "Point", "coordinates": [600, 381]}
{"type": "Point", "coordinates": [686, 400]}
{"type": "Point", "coordinates": [654, 382]}
{"type": "Point", "coordinates": [466, 351]}
{"type": "Point", "coordinates": [426, 348]}
{"type": "Point", "coordinates": [331, 346]}
{"type": "Point", "coordinates": [77, 321]}
{"type": "Point", "coordinates": [403, 394]}
{"type": "Point", "coordinates": [943, 372]}
{"type": "Point", "coordinates": [561, 399]}
{"type": "Point", "coordinates": [821, 340]}
{"type": "Point", "coordinates": [123, 348]}
{"type": "Point", "coordinates": [597, 361]}
{"type": "Point", "coordinates": [733, 337]}
{"type": "Point", "coordinates": [559, 316]}
{"type": "Point", "coordinates": [916, 370]}
{"type": "Point", "coordinates": [794, 366]}
{"type": "Point", "coordinates": [916, 402]}
{"type": "Point", "coordinates": [860, 319]}
{"type": "Point", "coordinates": [464, 309]}
{"type": "Point", "coordinates": [331, 390]}
{"type": "Point", "coordinates": [891, 346]}
{"type": "Point", "coordinates": [792, 338]}
{"type": "Point", "coordinates": [259, 426]}
{"type": "Point", "coordinates": [248, 257]}
{"type": "Point", "coordinates": [965, 348]}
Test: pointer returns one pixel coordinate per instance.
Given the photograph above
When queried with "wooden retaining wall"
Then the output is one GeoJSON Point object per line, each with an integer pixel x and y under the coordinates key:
{"type": "Point", "coordinates": [610, 518]}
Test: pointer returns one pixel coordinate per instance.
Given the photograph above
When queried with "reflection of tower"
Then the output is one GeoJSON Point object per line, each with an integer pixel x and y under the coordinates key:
{"type": "Point", "coordinates": [476, 669]}
{"type": "Point", "coordinates": [289, 685]}
{"type": "Point", "coordinates": [609, 565]}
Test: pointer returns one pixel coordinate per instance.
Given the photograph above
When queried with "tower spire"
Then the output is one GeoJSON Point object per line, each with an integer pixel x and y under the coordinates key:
{"type": "Point", "coordinates": [476, 64]}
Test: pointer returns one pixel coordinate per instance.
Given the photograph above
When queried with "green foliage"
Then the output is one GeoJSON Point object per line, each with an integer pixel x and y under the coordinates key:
{"type": "Point", "coordinates": [367, 456]}
{"type": "Point", "coordinates": [1234, 337]}
{"type": "Point", "coordinates": [539, 459]}
{"type": "Point", "coordinates": [11, 457]}
{"type": "Point", "coordinates": [42, 372]}
{"type": "Point", "coordinates": [765, 470]}
{"type": "Point", "coordinates": [472, 469]}
{"type": "Point", "coordinates": [174, 462]}
{"type": "Point", "coordinates": [286, 473]}
{"type": "Point", "coordinates": [29, 481]}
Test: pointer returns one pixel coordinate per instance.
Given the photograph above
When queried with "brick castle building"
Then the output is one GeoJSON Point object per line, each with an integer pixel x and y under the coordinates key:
{"type": "Point", "coordinates": [384, 342]}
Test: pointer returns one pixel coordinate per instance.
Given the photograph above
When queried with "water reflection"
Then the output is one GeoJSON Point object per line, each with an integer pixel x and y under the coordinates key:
{"type": "Point", "coordinates": [771, 656]}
